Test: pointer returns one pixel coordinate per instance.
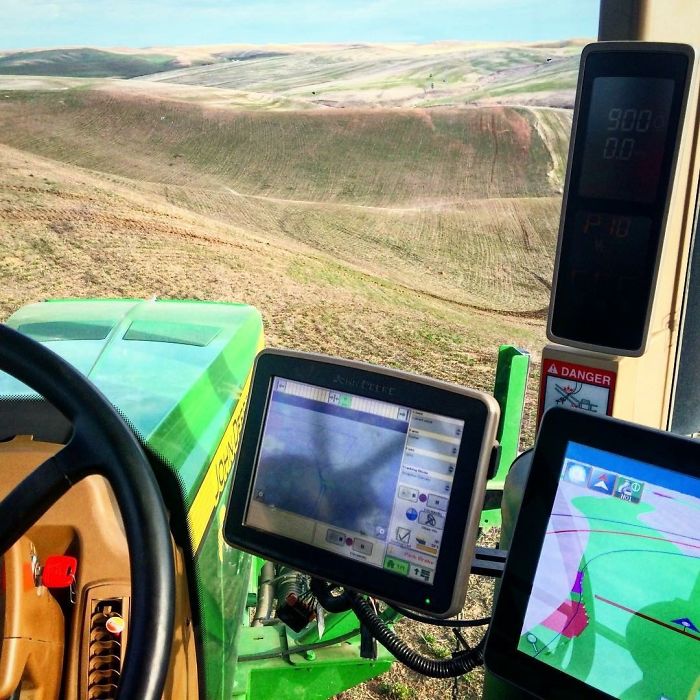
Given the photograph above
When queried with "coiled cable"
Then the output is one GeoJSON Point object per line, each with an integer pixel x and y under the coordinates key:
{"type": "Point", "coordinates": [461, 663]}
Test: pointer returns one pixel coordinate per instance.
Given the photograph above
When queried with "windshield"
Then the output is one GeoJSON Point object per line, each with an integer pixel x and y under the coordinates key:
{"type": "Point", "coordinates": [381, 179]}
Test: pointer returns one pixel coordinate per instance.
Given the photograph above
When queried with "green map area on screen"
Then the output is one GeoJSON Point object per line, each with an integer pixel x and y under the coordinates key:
{"type": "Point", "coordinates": [616, 597]}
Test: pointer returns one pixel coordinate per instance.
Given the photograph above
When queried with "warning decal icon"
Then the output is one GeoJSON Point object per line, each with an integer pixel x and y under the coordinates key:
{"type": "Point", "coordinates": [581, 387]}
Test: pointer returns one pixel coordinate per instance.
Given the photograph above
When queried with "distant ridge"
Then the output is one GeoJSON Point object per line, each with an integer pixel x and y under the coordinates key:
{"type": "Point", "coordinates": [323, 76]}
{"type": "Point", "coordinates": [85, 63]}
{"type": "Point", "coordinates": [441, 74]}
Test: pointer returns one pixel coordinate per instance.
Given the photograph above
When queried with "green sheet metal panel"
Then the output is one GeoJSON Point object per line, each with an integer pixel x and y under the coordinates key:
{"type": "Point", "coordinates": [175, 369]}
{"type": "Point", "coordinates": [313, 675]}
{"type": "Point", "coordinates": [510, 386]}
{"type": "Point", "coordinates": [178, 371]}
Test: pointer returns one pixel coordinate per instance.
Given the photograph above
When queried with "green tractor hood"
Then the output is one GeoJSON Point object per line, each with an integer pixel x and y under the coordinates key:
{"type": "Point", "coordinates": [176, 370]}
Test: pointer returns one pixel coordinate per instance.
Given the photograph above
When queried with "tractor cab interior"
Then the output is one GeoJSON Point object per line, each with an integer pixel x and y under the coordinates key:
{"type": "Point", "coordinates": [128, 518]}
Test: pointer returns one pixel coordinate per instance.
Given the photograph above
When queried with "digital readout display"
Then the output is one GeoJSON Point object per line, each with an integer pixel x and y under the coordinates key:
{"type": "Point", "coordinates": [625, 141]}
{"type": "Point", "coordinates": [364, 479]}
{"type": "Point", "coordinates": [605, 279]}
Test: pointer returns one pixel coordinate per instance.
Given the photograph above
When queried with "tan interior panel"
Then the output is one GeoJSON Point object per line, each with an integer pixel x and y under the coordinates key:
{"type": "Point", "coordinates": [31, 655]}
{"type": "Point", "coordinates": [85, 523]}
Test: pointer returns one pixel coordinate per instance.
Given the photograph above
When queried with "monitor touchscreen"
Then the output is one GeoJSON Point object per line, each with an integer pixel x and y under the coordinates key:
{"type": "Point", "coordinates": [365, 479]}
{"type": "Point", "coordinates": [615, 601]}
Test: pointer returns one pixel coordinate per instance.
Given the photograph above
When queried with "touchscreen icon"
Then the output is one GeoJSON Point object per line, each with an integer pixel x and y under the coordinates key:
{"type": "Point", "coordinates": [403, 535]}
{"type": "Point", "coordinates": [335, 537]}
{"type": "Point", "coordinates": [602, 481]}
{"type": "Point", "coordinates": [411, 513]}
{"type": "Point", "coordinates": [408, 493]}
{"type": "Point", "coordinates": [686, 623]}
{"type": "Point", "coordinates": [432, 518]}
{"type": "Point", "coordinates": [422, 545]}
{"type": "Point", "coordinates": [437, 501]}
{"type": "Point", "coordinates": [577, 473]}
{"type": "Point", "coordinates": [362, 546]}
{"type": "Point", "coordinates": [419, 572]}
{"type": "Point", "coordinates": [628, 489]}
{"type": "Point", "coordinates": [398, 566]}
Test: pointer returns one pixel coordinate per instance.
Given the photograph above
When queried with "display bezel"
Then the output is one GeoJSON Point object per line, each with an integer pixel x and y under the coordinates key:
{"type": "Point", "coordinates": [559, 427]}
{"type": "Point", "coordinates": [480, 415]}
{"type": "Point", "coordinates": [605, 333]}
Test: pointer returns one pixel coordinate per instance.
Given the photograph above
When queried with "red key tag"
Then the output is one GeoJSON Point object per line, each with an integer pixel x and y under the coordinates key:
{"type": "Point", "coordinates": [59, 571]}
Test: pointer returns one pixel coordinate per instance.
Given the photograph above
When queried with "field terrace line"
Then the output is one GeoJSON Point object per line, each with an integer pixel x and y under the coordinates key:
{"type": "Point", "coordinates": [433, 206]}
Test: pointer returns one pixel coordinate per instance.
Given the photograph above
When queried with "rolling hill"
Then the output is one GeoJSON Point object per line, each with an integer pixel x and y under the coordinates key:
{"type": "Point", "coordinates": [468, 197]}
{"type": "Point", "coordinates": [443, 74]}
{"type": "Point", "coordinates": [84, 63]}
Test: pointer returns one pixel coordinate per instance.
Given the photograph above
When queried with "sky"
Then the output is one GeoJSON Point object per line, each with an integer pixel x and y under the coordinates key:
{"type": "Point", "coordinates": [140, 23]}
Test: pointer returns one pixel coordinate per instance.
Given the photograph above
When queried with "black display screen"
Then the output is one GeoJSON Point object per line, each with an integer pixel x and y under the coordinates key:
{"type": "Point", "coordinates": [626, 138]}
{"type": "Point", "coordinates": [608, 278]}
{"type": "Point", "coordinates": [599, 595]}
{"type": "Point", "coordinates": [405, 459]}
{"type": "Point", "coordinates": [627, 129]}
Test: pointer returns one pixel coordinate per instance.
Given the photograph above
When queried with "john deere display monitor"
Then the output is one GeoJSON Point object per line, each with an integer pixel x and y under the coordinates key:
{"type": "Point", "coordinates": [367, 477]}
{"type": "Point", "coordinates": [627, 124]}
{"type": "Point", "coordinates": [601, 593]}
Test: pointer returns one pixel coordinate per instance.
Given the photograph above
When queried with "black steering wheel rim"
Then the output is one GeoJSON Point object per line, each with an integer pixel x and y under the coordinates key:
{"type": "Point", "coordinates": [103, 444]}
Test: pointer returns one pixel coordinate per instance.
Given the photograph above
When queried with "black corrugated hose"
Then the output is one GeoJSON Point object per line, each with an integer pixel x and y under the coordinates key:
{"type": "Point", "coordinates": [461, 663]}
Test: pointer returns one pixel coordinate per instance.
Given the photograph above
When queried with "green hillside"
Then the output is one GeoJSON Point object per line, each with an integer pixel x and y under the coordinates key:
{"type": "Point", "coordinates": [84, 63]}
{"type": "Point", "coordinates": [459, 204]}
{"type": "Point", "coordinates": [310, 77]}
{"type": "Point", "coordinates": [441, 74]}
{"type": "Point", "coordinates": [364, 157]}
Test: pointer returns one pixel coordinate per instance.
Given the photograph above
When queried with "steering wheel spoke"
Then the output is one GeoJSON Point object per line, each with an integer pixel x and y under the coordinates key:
{"type": "Point", "coordinates": [39, 490]}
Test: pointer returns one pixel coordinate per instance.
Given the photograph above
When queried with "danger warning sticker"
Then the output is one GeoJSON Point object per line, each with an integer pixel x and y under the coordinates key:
{"type": "Point", "coordinates": [576, 386]}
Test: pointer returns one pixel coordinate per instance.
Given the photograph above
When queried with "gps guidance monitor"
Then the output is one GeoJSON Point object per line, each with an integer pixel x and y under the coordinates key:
{"type": "Point", "coordinates": [601, 593]}
{"type": "Point", "coordinates": [370, 478]}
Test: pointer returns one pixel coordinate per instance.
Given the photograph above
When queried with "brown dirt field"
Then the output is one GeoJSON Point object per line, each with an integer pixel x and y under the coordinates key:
{"type": "Point", "coordinates": [468, 200]}
{"type": "Point", "coordinates": [66, 231]}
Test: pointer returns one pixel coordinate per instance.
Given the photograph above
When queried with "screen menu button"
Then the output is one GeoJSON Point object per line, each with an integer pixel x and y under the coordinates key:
{"type": "Point", "coordinates": [335, 537]}
{"type": "Point", "coordinates": [397, 566]}
{"type": "Point", "coordinates": [408, 493]}
{"type": "Point", "coordinates": [439, 502]}
{"type": "Point", "coordinates": [432, 518]}
{"type": "Point", "coordinates": [362, 546]}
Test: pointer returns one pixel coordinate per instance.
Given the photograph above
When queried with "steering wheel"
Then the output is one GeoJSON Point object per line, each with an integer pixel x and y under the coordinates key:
{"type": "Point", "coordinates": [101, 443]}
